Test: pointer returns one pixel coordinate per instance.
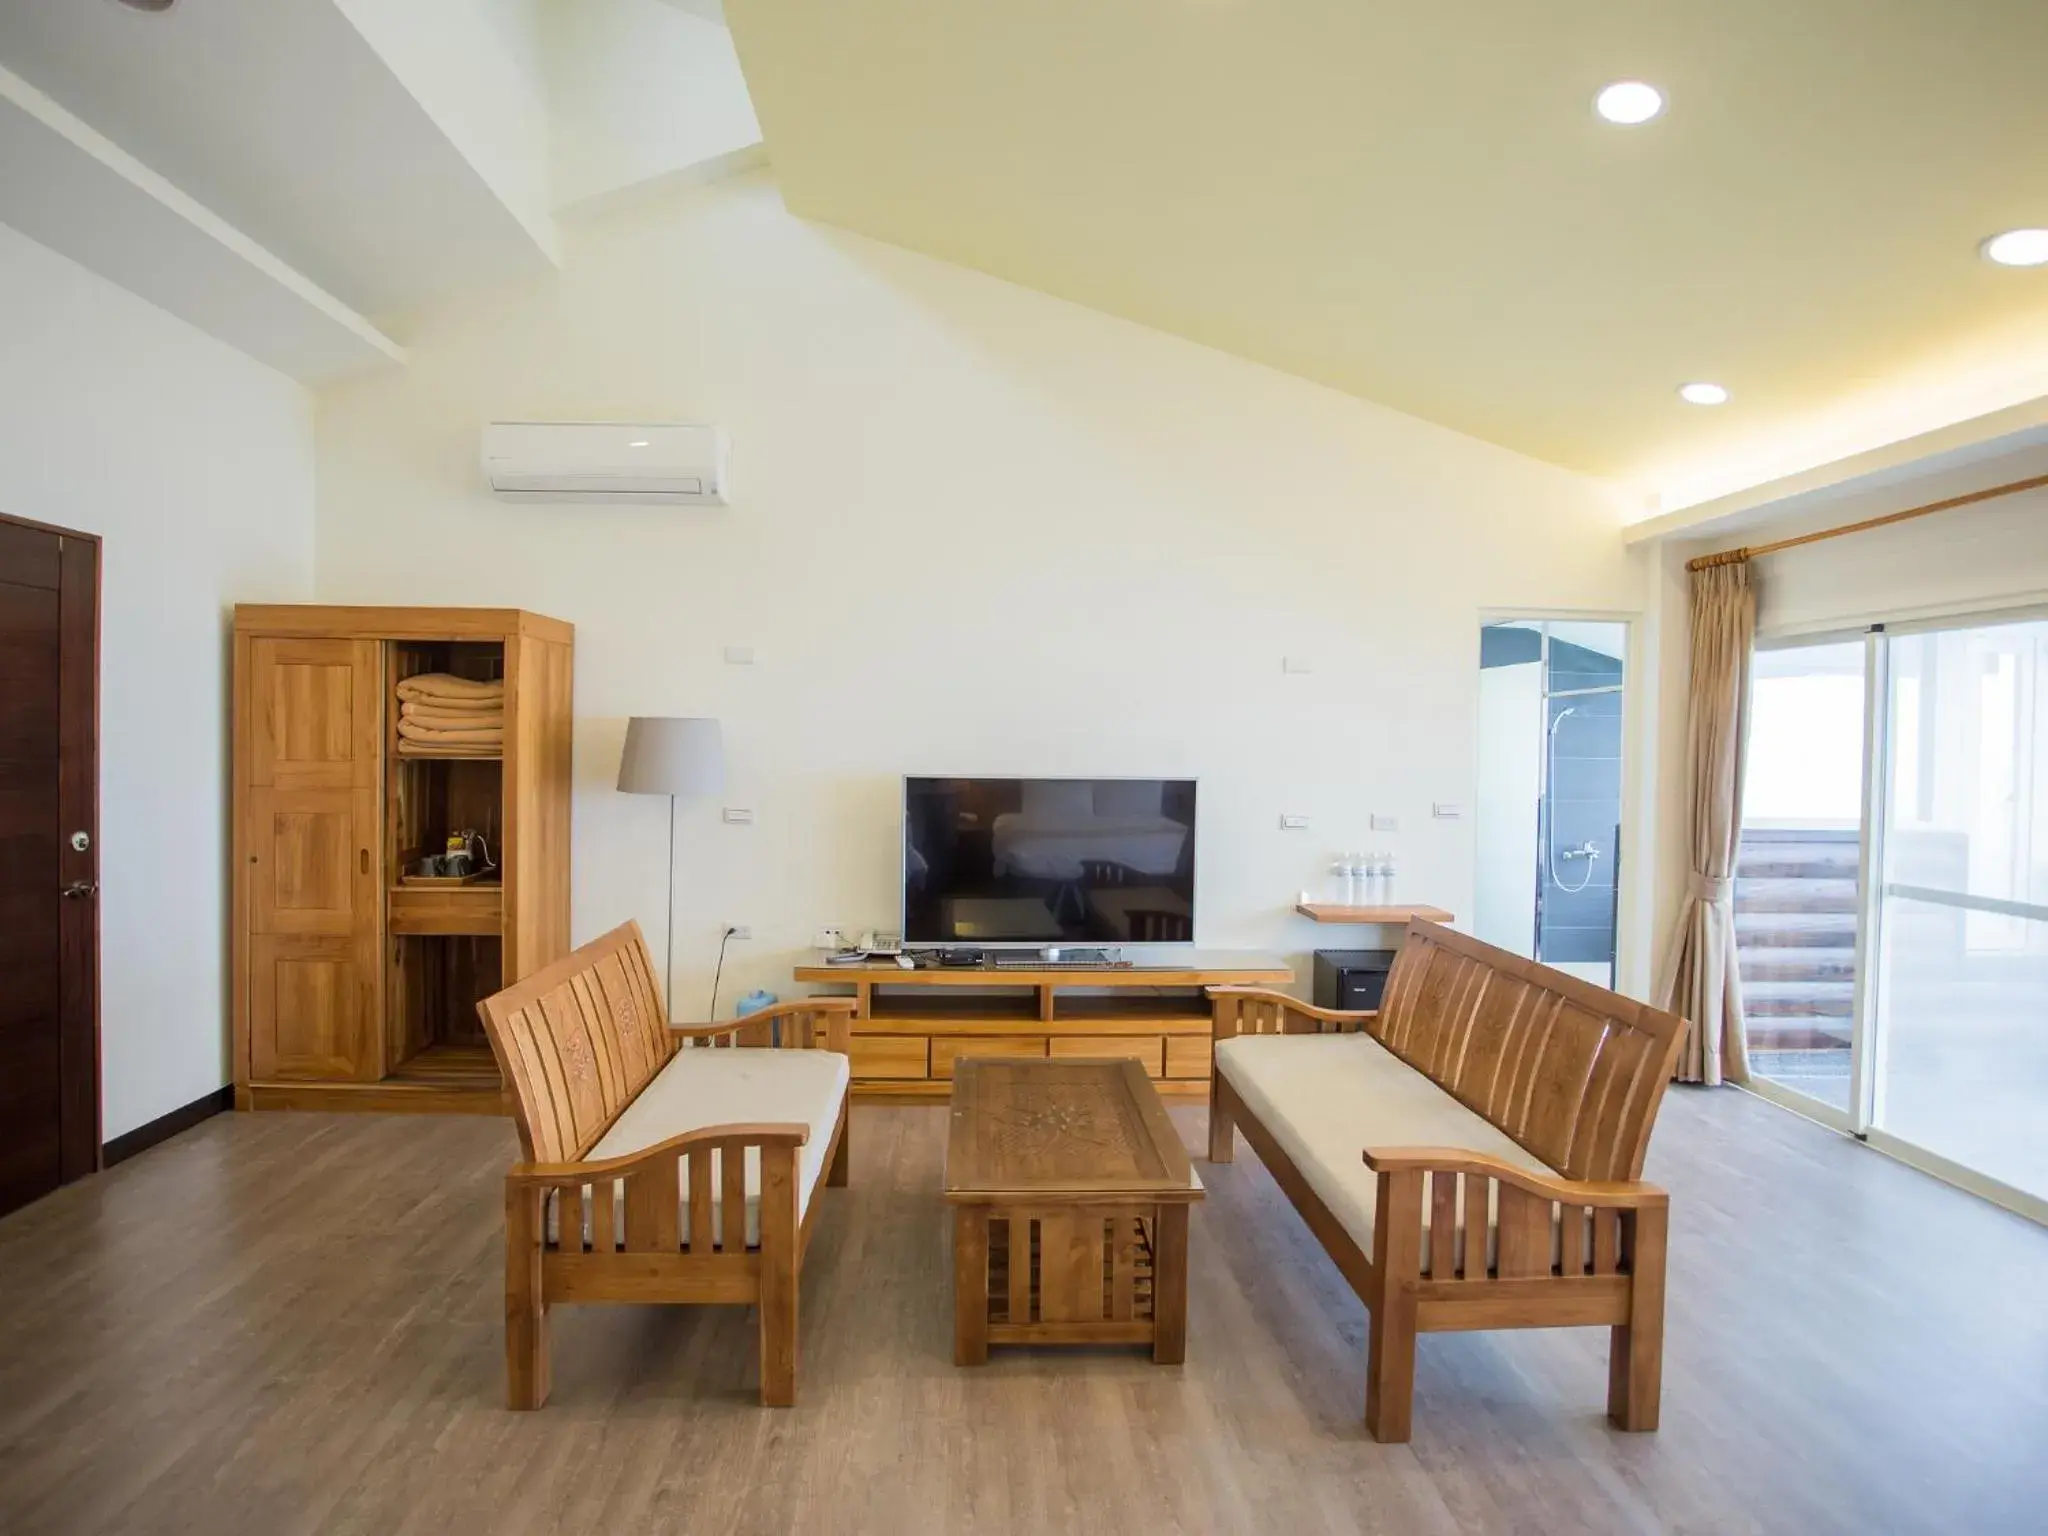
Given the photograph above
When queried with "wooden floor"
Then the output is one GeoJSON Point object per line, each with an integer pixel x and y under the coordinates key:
{"type": "Point", "coordinates": [281, 1322]}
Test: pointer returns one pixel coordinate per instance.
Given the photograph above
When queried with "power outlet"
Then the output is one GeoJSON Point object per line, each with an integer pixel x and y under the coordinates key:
{"type": "Point", "coordinates": [828, 938]}
{"type": "Point", "coordinates": [738, 931]}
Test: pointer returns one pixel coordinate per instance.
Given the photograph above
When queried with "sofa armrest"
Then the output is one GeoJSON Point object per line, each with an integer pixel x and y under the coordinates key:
{"type": "Point", "coordinates": [635, 1203]}
{"type": "Point", "coordinates": [1630, 1195]}
{"type": "Point", "coordinates": [791, 1134]}
{"type": "Point", "coordinates": [1259, 1011]}
{"type": "Point", "coordinates": [812, 1023]}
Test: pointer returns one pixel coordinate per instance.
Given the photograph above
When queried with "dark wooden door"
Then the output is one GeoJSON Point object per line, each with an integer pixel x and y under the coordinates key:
{"type": "Point", "coordinates": [49, 858]}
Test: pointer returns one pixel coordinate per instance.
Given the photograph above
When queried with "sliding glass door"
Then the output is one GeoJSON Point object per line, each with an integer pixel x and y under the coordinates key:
{"type": "Point", "coordinates": [1960, 1036]}
{"type": "Point", "coordinates": [1798, 900]}
{"type": "Point", "coordinates": [1892, 893]}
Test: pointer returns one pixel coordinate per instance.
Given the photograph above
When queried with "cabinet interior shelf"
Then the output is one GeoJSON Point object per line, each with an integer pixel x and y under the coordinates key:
{"type": "Point", "coordinates": [1337, 912]}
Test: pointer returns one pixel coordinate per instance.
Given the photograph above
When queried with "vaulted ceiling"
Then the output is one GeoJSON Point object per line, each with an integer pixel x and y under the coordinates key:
{"type": "Point", "coordinates": [1415, 202]}
{"type": "Point", "coordinates": [297, 177]}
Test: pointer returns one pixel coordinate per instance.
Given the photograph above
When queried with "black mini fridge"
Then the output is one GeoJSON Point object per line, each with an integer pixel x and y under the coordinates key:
{"type": "Point", "coordinates": [1351, 979]}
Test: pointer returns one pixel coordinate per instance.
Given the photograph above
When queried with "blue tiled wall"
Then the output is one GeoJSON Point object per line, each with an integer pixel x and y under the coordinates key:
{"type": "Point", "coordinates": [1584, 806]}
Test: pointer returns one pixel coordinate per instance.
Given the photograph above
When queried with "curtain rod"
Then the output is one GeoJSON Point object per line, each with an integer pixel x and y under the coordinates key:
{"type": "Point", "coordinates": [1750, 552]}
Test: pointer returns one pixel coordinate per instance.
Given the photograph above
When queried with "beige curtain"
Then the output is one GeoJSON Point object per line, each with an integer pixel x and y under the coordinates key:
{"type": "Point", "coordinates": [1700, 979]}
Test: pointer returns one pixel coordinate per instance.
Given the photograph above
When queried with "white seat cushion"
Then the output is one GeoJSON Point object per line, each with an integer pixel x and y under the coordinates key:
{"type": "Point", "coordinates": [1326, 1098]}
{"type": "Point", "coordinates": [703, 1087]}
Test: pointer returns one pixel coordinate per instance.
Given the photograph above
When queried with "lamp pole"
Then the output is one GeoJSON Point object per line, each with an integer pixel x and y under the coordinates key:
{"type": "Point", "coordinates": [671, 757]}
{"type": "Point", "coordinates": [668, 962]}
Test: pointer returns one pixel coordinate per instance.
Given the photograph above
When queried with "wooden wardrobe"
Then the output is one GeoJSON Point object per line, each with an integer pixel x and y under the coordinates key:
{"type": "Point", "coordinates": [355, 988]}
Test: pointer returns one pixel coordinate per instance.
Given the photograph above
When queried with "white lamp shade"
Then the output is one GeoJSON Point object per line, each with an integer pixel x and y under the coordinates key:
{"type": "Point", "coordinates": [666, 756]}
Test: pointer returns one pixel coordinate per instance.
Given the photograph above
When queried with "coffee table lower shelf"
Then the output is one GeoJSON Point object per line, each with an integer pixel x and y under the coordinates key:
{"type": "Point", "coordinates": [1090, 1274]}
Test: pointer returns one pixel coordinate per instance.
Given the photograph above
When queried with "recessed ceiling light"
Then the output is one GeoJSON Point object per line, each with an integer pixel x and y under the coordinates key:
{"type": "Point", "coordinates": [1703, 394]}
{"type": "Point", "coordinates": [638, 442]}
{"type": "Point", "coordinates": [1629, 101]}
{"type": "Point", "coordinates": [2019, 248]}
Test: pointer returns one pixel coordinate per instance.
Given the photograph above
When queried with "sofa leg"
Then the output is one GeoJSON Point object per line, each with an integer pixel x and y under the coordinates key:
{"type": "Point", "coordinates": [778, 1306]}
{"type": "Point", "coordinates": [841, 1170]}
{"type": "Point", "coordinates": [1390, 1370]}
{"type": "Point", "coordinates": [526, 1311]}
{"type": "Point", "coordinates": [1222, 1130]}
{"type": "Point", "coordinates": [1390, 1336]}
{"type": "Point", "coordinates": [1635, 1350]}
{"type": "Point", "coordinates": [778, 1341]}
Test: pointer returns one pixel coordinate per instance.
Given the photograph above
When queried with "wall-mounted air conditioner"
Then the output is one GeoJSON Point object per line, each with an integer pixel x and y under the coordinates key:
{"type": "Point", "coordinates": [605, 461]}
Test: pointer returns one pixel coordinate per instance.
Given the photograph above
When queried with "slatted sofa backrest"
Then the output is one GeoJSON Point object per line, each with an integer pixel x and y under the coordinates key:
{"type": "Point", "coordinates": [1572, 1071]}
{"type": "Point", "coordinates": [577, 1040]}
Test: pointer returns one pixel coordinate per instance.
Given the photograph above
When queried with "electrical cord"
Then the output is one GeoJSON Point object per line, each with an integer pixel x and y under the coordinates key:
{"type": "Point", "coordinates": [718, 974]}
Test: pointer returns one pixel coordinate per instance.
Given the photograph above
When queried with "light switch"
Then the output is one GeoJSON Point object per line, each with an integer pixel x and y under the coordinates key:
{"type": "Point", "coordinates": [1444, 810]}
{"type": "Point", "coordinates": [1296, 664]}
{"type": "Point", "coordinates": [739, 815]}
{"type": "Point", "coordinates": [739, 655]}
{"type": "Point", "coordinates": [1386, 823]}
{"type": "Point", "coordinates": [1289, 822]}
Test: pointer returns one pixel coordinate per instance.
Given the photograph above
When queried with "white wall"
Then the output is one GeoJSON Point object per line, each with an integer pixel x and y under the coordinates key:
{"type": "Point", "coordinates": [1991, 555]}
{"type": "Point", "coordinates": [638, 89]}
{"type": "Point", "coordinates": [975, 529]}
{"type": "Point", "coordinates": [195, 466]}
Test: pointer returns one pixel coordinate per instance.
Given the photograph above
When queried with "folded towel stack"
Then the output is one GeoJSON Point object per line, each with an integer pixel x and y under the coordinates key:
{"type": "Point", "coordinates": [440, 715]}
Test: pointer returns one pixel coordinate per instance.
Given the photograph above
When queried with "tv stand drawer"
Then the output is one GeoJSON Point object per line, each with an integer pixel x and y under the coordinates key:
{"type": "Point", "coordinates": [889, 1056]}
{"type": "Point", "coordinates": [1149, 1049]}
{"type": "Point", "coordinates": [947, 1049]}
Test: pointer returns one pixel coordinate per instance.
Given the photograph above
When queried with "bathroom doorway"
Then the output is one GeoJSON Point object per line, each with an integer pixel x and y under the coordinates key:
{"type": "Point", "coordinates": [1548, 809]}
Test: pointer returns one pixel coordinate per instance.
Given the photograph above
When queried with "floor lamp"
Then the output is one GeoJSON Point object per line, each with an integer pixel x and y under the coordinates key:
{"type": "Point", "coordinates": [672, 757]}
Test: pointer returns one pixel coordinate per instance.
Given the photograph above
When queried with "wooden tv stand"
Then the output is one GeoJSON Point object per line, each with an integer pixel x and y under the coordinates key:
{"type": "Point", "coordinates": [909, 1027]}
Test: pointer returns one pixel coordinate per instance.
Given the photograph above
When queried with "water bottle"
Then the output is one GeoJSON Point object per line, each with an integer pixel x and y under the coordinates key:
{"type": "Point", "coordinates": [1340, 879]}
{"type": "Point", "coordinates": [1387, 879]}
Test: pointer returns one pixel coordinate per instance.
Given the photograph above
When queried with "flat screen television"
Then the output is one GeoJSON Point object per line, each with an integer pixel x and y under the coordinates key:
{"type": "Point", "coordinates": [1031, 862]}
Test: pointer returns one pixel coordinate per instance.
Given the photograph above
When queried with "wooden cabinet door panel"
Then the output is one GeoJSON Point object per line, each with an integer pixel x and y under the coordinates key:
{"type": "Point", "coordinates": [312, 1011]}
{"type": "Point", "coordinates": [313, 865]}
{"type": "Point", "coordinates": [316, 713]}
{"type": "Point", "coordinates": [312, 858]}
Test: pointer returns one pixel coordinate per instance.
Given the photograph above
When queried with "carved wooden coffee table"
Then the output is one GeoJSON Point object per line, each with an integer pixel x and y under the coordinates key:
{"type": "Point", "coordinates": [1070, 1191]}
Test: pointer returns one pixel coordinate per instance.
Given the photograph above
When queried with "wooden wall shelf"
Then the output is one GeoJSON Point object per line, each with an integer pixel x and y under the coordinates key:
{"type": "Point", "coordinates": [1337, 912]}
{"type": "Point", "coordinates": [911, 1027]}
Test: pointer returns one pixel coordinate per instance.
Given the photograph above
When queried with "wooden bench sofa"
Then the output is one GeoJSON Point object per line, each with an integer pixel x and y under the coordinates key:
{"type": "Point", "coordinates": [1484, 1083]}
{"type": "Point", "coordinates": [660, 1164]}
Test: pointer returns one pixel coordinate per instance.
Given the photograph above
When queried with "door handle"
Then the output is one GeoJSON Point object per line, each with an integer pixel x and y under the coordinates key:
{"type": "Point", "coordinates": [78, 890]}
